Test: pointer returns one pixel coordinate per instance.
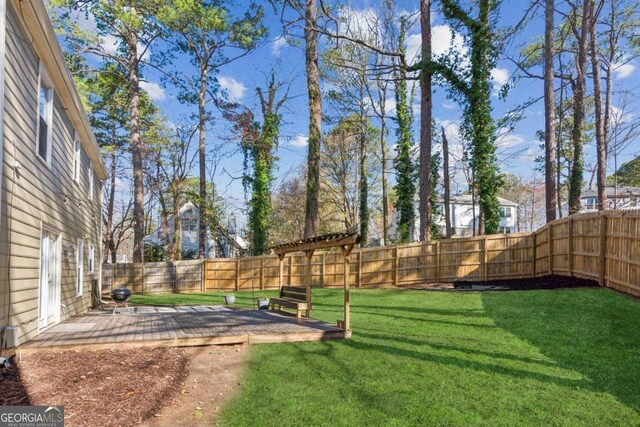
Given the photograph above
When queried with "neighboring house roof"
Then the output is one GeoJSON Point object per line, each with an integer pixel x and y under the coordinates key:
{"type": "Point", "coordinates": [466, 199]}
{"type": "Point", "coordinates": [610, 191]}
{"type": "Point", "coordinates": [36, 20]}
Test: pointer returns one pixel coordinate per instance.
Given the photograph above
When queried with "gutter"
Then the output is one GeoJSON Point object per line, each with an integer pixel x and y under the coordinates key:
{"type": "Point", "coordinates": [3, 31]}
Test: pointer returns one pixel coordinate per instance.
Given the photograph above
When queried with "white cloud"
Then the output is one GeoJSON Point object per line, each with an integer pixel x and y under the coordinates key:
{"type": "Point", "coordinates": [414, 45]}
{"type": "Point", "coordinates": [442, 41]}
{"type": "Point", "coordinates": [298, 141]}
{"type": "Point", "coordinates": [507, 140]}
{"type": "Point", "coordinates": [618, 116]}
{"type": "Point", "coordinates": [277, 45]}
{"type": "Point", "coordinates": [234, 88]}
{"type": "Point", "coordinates": [500, 77]}
{"type": "Point", "coordinates": [155, 91]}
{"type": "Point", "coordinates": [623, 70]}
{"type": "Point", "coordinates": [361, 23]}
{"type": "Point", "coordinates": [448, 105]}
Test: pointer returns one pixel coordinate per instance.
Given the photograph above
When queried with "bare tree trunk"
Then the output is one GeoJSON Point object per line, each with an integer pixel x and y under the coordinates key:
{"type": "Point", "coordinates": [109, 244]}
{"type": "Point", "coordinates": [447, 184]}
{"type": "Point", "coordinates": [383, 151]}
{"type": "Point", "coordinates": [425, 123]}
{"type": "Point", "coordinates": [601, 143]}
{"type": "Point", "coordinates": [136, 150]}
{"type": "Point", "coordinates": [176, 245]}
{"type": "Point", "coordinates": [577, 134]}
{"type": "Point", "coordinates": [549, 115]}
{"type": "Point", "coordinates": [202, 115]}
{"type": "Point", "coordinates": [315, 119]}
{"type": "Point", "coordinates": [363, 182]}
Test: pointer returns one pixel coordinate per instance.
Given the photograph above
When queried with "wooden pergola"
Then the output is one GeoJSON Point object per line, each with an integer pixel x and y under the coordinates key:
{"type": "Point", "coordinates": [345, 241]}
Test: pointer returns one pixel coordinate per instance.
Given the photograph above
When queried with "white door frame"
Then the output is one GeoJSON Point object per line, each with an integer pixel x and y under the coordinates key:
{"type": "Point", "coordinates": [58, 278]}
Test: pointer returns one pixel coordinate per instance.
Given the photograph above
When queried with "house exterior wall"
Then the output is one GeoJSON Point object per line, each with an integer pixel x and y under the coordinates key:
{"type": "Point", "coordinates": [37, 197]}
{"type": "Point", "coordinates": [464, 215]}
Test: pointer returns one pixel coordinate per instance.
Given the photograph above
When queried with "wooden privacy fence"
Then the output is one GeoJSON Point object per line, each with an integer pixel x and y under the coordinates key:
{"type": "Point", "coordinates": [154, 277]}
{"type": "Point", "coordinates": [603, 247]}
{"type": "Point", "coordinates": [477, 258]}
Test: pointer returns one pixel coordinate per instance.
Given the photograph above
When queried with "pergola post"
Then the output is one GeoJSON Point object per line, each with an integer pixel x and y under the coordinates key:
{"type": "Point", "coordinates": [281, 275]}
{"type": "Point", "coordinates": [346, 251]}
{"type": "Point", "coordinates": [347, 320]}
{"type": "Point", "coordinates": [309, 254]}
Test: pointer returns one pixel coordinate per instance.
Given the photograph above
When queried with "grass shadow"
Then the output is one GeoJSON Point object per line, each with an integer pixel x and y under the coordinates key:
{"type": "Point", "coordinates": [582, 334]}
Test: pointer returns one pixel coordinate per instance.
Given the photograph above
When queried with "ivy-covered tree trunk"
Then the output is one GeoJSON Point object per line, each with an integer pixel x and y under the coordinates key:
{"type": "Point", "coordinates": [484, 159]}
{"type": "Point", "coordinates": [447, 185]}
{"type": "Point", "coordinates": [260, 204]}
{"type": "Point", "coordinates": [315, 119]}
{"type": "Point", "coordinates": [405, 178]}
{"type": "Point", "coordinates": [579, 91]}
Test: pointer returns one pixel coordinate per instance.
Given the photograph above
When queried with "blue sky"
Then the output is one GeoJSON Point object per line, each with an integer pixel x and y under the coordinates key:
{"type": "Point", "coordinates": [241, 77]}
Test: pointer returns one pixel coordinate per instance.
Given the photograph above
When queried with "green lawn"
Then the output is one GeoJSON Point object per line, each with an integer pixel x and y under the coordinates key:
{"type": "Point", "coordinates": [438, 358]}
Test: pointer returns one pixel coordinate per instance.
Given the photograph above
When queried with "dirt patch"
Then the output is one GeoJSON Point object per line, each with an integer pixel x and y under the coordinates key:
{"type": "Point", "coordinates": [214, 376]}
{"type": "Point", "coordinates": [543, 282]}
{"type": "Point", "coordinates": [100, 388]}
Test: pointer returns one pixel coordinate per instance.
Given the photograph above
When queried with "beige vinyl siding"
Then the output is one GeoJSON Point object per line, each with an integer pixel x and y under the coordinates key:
{"type": "Point", "coordinates": [39, 196]}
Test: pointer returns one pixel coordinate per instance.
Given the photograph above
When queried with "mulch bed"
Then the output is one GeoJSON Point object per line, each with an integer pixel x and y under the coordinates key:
{"type": "Point", "coordinates": [543, 282]}
{"type": "Point", "coordinates": [98, 388]}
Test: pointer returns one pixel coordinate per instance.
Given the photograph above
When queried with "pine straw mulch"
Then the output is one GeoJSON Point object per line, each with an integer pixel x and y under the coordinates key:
{"type": "Point", "coordinates": [116, 387]}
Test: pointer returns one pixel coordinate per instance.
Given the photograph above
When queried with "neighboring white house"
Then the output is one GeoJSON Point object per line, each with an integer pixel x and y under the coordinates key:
{"type": "Point", "coordinates": [620, 198]}
{"type": "Point", "coordinates": [464, 215]}
{"type": "Point", "coordinates": [224, 243]}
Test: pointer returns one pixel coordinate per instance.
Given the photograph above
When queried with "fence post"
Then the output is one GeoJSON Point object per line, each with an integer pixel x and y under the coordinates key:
{"type": "Point", "coordinates": [262, 273]}
{"type": "Point", "coordinates": [324, 256]}
{"type": "Point", "coordinates": [602, 273]}
{"type": "Point", "coordinates": [570, 247]}
{"type": "Point", "coordinates": [359, 269]}
{"type": "Point", "coordinates": [291, 270]}
{"type": "Point", "coordinates": [437, 261]}
{"type": "Point", "coordinates": [237, 274]}
{"type": "Point", "coordinates": [550, 247]}
{"type": "Point", "coordinates": [144, 280]}
{"type": "Point", "coordinates": [395, 267]}
{"type": "Point", "coordinates": [534, 252]}
{"type": "Point", "coordinates": [485, 269]}
{"type": "Point", "coordinates": [203, 274]}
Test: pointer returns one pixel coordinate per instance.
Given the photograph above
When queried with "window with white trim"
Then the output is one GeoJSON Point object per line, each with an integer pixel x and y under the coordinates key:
{"type": "Point", "coordinates": [77, 156]}
{"type": "Point", "coordinates": [92, 259]}
{"type": "Point", "coordinates": [90, 178]}
{"type": "Point", "coordinates": [80, 267]}
{"type": "Point", "coordinates": [45, 117]}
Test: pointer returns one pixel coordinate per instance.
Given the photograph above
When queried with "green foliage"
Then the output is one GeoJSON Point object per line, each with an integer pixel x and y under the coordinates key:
{"type": "Point", "coordinates": [436, 160]}
{"type": "Point", "coordinates": [153, 253]}
{"type": "Point", "coordinates": [405, 187]}
{"type": "Point", "coordinates": [262, 156]}
{"type": "Point", "coordinates": [628, 173]}
{"type": "Point", "coordinates": [472, 86]}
